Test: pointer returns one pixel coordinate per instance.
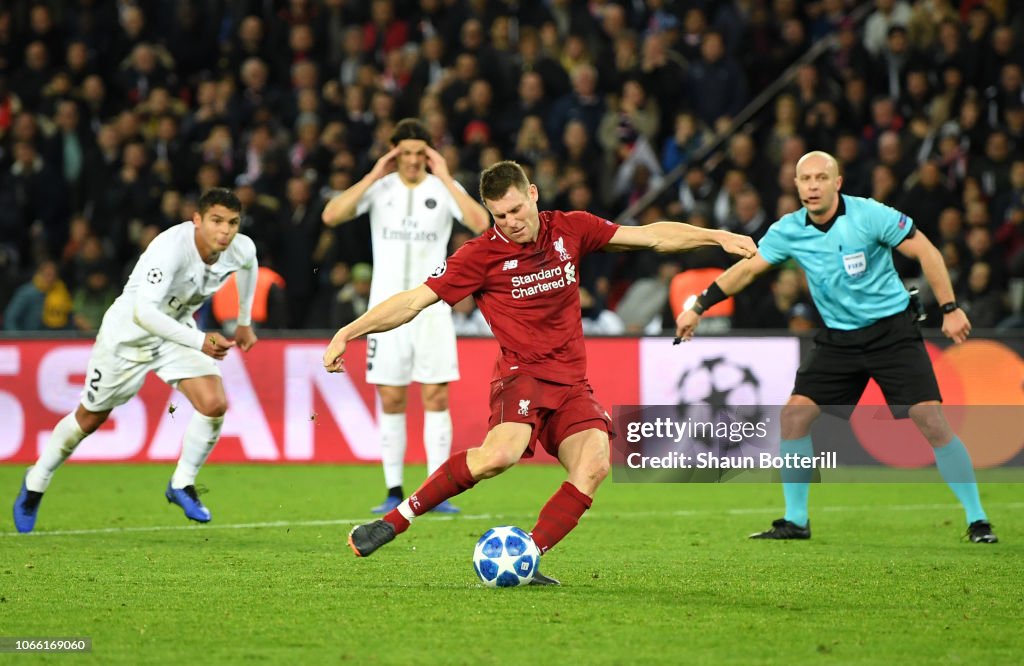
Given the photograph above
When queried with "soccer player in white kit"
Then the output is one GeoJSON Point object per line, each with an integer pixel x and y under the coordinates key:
{"type": "Point", "coordinates": [411, 214]}
{"type": "Point", "coordinates": [150, 328]}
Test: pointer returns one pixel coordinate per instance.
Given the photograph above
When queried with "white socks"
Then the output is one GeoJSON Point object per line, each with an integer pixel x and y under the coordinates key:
{"type": "Point", "coordinates": [200, 438]}
{"type": "Point", "coordinates": [65, 437]}
{"type": "Point", "coordinates": [437, 438]}
{"type": "Point", "coordinates": [392, 447]}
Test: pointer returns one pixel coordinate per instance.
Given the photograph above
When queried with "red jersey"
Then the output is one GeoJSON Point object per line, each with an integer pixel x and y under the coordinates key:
{"type": "Point", "coordinates": [529, 293]}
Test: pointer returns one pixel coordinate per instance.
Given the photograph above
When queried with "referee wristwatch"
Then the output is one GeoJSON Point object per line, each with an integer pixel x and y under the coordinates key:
{"type": "Point", "coordinates": [949, 307]}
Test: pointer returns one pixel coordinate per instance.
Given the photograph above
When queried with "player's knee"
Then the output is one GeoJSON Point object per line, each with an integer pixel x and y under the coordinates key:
{"type": "Point", "coordinates": [436, 402]}
{"type": "Point", "coordinates": [392, 404]}
{"type": "Point", "coordinates": [598, 469]}
{"type": "Point", "coordinates": [88, 421]}
{"type": "Point", "coordinates": [796, 421]}
{"type": "Point", "coordinates": [932, 424]}
{"type": "Point", "coordinates": [595, 469]}
{"type": "Point", "coordinates": [497, 459]}
{"type": "Point", "coordinates": [213, 406]}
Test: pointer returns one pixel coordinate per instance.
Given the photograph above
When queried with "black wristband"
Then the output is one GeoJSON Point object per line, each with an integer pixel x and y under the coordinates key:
{"type": "Point", "coordinates": [949, 307]}
{"type": "Point", "coordinates": [710, 297]}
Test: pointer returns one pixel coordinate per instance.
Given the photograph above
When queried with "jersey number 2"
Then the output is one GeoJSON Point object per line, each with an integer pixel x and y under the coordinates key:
{"type": "Point", "coordinates": [94, 383]}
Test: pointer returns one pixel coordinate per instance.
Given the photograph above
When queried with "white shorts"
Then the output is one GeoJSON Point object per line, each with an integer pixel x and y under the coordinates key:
{"type": "Point", "coordinates": [421, 351]}
{"type": "Point", "coordinates": [112, 380]}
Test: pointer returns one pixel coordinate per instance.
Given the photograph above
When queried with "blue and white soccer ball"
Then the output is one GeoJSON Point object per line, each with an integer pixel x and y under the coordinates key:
{"type": "Point", "coordinates": [505, 557]}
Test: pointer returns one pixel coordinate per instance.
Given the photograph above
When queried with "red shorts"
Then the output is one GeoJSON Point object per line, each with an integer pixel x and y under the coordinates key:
{"type": "Point", "coordinates": [555, 411]}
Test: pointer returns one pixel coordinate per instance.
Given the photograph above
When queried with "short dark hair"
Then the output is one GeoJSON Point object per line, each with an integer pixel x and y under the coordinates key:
{"type": "Point", "coordinates": [409, 128]}
{"type": "Point", "coordinates": [218, 196]}
{"type": "Point", "coordinates": [496, 180]}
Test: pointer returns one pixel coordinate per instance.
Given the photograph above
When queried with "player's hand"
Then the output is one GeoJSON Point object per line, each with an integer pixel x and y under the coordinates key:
{"type": "Point", "coordinates": [216, 345]}
{"type": "Point", "coordinates": [245, 337]}
{"type": "Point", "coordinates": [686, 324]}
{"type": "Point", "coordinates": [437, 164]}
{"type": "Point", "coordinates": [956, 326]}
{"type": "Point", "coordinates": [387, 163]}
{"type": "Point", "coordinates": [333, 361]}
{"type": "Point", "coordinates": [743, 246]}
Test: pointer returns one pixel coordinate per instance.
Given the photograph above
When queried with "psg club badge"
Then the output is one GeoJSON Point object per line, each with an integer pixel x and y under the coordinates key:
{"type": "Point", "coordinates": [431, 203]}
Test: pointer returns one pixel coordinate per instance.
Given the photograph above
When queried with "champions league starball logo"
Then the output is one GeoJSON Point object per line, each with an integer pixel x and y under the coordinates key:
{"type": "Point", "coordinates": [720, 391]}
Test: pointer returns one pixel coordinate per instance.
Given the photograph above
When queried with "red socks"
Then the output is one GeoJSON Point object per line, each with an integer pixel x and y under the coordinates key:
{"type": "Point", "coordinates": [559, 516]}
{"type": "Point", "coordinates": [450, 479]}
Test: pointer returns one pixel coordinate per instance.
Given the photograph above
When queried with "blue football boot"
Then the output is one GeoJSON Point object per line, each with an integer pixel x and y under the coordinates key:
{"type": "Point", "coordinates": [188, 500]}
{"type": "Point", "coordinates": [446, 507]}
{"type": "Point", "coordinates": [389, 504]}
{"type": "Point", "coordinates": [26, 506]}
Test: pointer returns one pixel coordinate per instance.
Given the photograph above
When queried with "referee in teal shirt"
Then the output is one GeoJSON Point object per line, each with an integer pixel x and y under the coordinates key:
{"type": "Point", "coordinates": [844, 244]}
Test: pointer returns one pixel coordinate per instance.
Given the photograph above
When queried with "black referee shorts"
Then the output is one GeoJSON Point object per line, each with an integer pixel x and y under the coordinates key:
{"type": "Point", "coordinates": [890, 351]}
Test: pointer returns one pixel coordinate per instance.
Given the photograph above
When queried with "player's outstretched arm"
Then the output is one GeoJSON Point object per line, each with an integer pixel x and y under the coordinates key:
{"type": "Point", "coordinates": [955, 324]}
{"type": "Point", "coordinates": [666, 237]}
{"type": "Point", "coordinates": [729, 283]}
{"type": "Point", "coordinates": [342, 207]}
{"type": "Point", "coordinates": [392, 313]}
{"type": "Point", "coordinates": [474, 216]}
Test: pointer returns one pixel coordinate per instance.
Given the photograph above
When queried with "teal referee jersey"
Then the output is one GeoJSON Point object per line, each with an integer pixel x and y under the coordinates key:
{"type": "Point", "coordinates": [848, 260]}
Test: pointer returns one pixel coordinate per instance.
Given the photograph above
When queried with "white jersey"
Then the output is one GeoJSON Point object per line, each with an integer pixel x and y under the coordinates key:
{"type": "Point", "coordinates": [410, 229]}
{"type": "Point", "coordinates": [166, 287]}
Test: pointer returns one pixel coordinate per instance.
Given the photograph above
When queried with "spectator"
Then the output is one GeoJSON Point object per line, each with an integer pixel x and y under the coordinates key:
{"type": "Point", "coordinates": [41, 304]}
{"type": "Point", "coordinates": [980, 299]}
{"type": "Point", "coordinates": [269, 306]}
{"type": "Point", "coordinates": [925, 200]}
{"type": "Point", "coordinates": [583, 104]}
{"type": "Point", "coordinates": [641, 306]}
{"type": "Point", "coordinates": [718, 87]}
{"type": "Point", "coordinates": [91, 300]}
{"type": "Point", "coordinates": [353, 299]}
{"type": "Point", "coordinates": [778, 311]}
{"type": "Point", "coordinates": [749, 217]}
{"type": "Point", "coordinates": [38, 200]}
{"type": "Point", "coordinates": [887, 14]}
{"type": "Point", "coordinates": [159, 114]}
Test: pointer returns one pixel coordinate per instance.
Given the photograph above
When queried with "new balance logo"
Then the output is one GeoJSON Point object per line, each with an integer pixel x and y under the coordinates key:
{"type": "Point", "coordinates": [524, 407]}
{"type": "Point", "coordinates": [510, 264]}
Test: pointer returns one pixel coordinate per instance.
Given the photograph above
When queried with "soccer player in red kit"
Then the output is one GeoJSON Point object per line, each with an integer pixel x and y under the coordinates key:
{"type": "Point", "coordinates": [523, 275]}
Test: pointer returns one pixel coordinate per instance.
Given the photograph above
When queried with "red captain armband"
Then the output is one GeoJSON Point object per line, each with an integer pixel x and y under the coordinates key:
{"type": "Point", "coordinates": [709, 298]}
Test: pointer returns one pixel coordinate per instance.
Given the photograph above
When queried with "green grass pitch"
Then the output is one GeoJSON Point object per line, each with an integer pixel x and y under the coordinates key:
{"type": "Point", "coordinates": [655, 574]}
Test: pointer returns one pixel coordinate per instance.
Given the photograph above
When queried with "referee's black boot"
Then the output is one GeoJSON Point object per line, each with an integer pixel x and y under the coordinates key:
{"type": "Point", "coordinates": [980, 531]}
{"type": "Point", "coordinates": [784, 529]}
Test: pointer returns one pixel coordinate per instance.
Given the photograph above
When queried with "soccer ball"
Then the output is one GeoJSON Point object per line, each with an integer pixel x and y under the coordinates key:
{"type": "Point", "coordinates": [505, 557]}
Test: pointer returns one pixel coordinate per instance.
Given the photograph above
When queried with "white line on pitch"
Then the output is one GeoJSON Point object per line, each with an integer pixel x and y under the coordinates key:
{"type": "Point", "coordinates": [492, 516]}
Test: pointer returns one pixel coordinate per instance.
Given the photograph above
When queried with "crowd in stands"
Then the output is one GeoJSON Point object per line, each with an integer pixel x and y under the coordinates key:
{"type": "Point", "coordinates": [115, 115]}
